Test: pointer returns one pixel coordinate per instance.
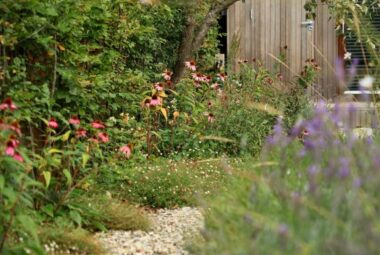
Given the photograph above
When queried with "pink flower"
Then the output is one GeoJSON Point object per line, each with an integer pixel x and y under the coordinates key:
{"type": "Point", "coordinates": [8, 104]}
{"type": "Point", "coordinates": [18, 157]}
{"type": "Point", "coordinates": [159, 86]}
{"type": "Point", "coordinates": [104, 137]}
{"type": "Point", "coordinates": [155, 101]}
{"type": "Point", "coordinates": [53, 123]}
{"type": "Point", "coordinates": [167, 75]}
{"type": "Point", "coordinates": [197, 84]}
{"type": "Point", "coordinates": [10, 150]}
{"type": "Point", "coordinates": [198, 77]}
{"type": "Point", "coordinates": [3, 107]}
{"type": "Point", "coordinates": [74, 120]}
{"type": "Point", "coordinates": [211, 118]}
{"type": "Point", "coordinates": [191, 65]}
{"type": "Point", "coordinates": [222, 77]}
{"type": "Point", "coordinates": [81, 133]}
{"type": "Point", "coordinates": [209, 104]}
{"type": "Point", "coordinates": [215, 86]}
{"type": "Point", "coordinates": [97, 124]}
{"type": "Point", "coordinates": [13, 142]}
{"type": "Point", "coordinates": [126, 150]}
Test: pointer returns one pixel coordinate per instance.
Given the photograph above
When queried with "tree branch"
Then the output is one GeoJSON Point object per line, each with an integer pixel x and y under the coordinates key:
{"type": "Point", "coordinates": [209, 21]}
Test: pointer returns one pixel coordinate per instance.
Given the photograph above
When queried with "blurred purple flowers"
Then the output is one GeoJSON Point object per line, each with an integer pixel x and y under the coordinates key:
{"type": "Point", "coordinates": [328, 146]}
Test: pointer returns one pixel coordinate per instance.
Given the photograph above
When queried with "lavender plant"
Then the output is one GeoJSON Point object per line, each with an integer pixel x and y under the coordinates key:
{"type": "Point", "coordinates": [316, 192]}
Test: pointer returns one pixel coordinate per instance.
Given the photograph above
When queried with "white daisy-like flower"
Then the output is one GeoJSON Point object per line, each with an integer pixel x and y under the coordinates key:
{"type": "Point", "coordinates": [367, 82]}
{"type": "Point", "coordinates": [347, 56]}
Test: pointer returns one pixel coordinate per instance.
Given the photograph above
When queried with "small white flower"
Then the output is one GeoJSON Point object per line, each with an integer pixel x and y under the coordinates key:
{"type": "Point", "coordinates": [347, 56]}
{"type": "Point", "coordinates": [367, 82]}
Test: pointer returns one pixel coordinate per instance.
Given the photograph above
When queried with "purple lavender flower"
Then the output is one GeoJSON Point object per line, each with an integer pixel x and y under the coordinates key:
{"type": "Point", "coordinates": [283, 230]}
{"type": "Point", "coordinates": [297, 129]}
{"type": "Point", "coordinates": [344, 169]}
{"type": "Point", "coordinates": [321, 108]}
{"type": "Point", "coordinates": [357, 182]}
{"type": "Point", "coordinates": [336, 115]}
{"type": "Point", "coordinates": [313, 170]}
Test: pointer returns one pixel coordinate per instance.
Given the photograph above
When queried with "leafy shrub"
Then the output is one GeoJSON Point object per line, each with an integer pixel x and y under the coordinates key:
{"type": "Point", "coordinates": [246, 110]}
{"type": "Point", "coordinates": [315, 191]}
{"type": "Point", "coordinates": [89, 59]}
{"type": "Point", "coordinates": [16, 187]}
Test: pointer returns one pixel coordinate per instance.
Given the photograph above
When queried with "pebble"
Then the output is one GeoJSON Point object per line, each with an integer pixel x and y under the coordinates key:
{"type": "Point", "coordinates": [170, 228]}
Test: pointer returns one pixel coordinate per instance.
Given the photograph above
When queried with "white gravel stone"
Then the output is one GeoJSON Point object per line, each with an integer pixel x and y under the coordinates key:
{"type": "Point", "coordinates": [169, 231]}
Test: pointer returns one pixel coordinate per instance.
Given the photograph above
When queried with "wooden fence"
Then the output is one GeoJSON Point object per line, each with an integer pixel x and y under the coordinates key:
{"type": "Point", "coordinates": [272, 30]}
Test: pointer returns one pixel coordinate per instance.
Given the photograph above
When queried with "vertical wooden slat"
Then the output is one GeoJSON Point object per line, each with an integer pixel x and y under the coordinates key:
{"type": "Point", "coordinates": [241, 15]}
{"type": "Point", "coordinates": [326, 52]}
{"type": "Point", "coordinates": [283, 33]}
{"type": "Point", "coordinates": [276, 30]}
{"type": "Point", "coordinates": [259, 28]}
{"type": "Point", "coordinates": [238, 26]}
{"type": "Point", "coordinates": [247, 32]}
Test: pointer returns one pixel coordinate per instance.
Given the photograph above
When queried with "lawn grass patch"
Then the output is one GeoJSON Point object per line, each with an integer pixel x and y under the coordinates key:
{"type": "Point", "coordinates": [68, 241]}
{"type": "Point", "coordinates": [163, 183]}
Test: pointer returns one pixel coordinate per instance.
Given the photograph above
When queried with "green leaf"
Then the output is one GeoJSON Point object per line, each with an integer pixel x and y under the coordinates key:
{"type": "Point", "coordinates": [47, 177]}
{"type": "Point", "coordinates": [49, 210]}
{"type": "Point", "coordinates": [66, 136]}
{"type": "Point", "coordinates": [75, 216]}
{"type": "Point", "coordinates": [68, 177]}
{"type": "Point", "coordinates": [2, 182]}
{"type": "Point", "coordinates": [49, 11]}
{"type": "Point", "coordinates": [28, 224]}
{"type": "Point", "coordinates": [53, 151]}
{"type": "Point", "coordinates": [85, 158]}
{"type": "Point", "coordinates": [99, 226]}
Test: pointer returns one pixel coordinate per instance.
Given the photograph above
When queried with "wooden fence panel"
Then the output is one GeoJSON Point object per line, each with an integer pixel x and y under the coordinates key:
{"type": "Point", "coordinates": [268, 28]}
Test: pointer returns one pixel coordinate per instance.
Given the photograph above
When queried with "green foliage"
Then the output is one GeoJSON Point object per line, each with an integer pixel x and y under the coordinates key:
{"type": "Point", "coordinates": [164, 183]}
{"type": "Point", "coordinates": [17, 190]}
{"type": "Point", "coordinates": [67, 241]}
{"type": "Point", "coordinates": [312, 192]}
{"type": "Point", "coordinates": [89, 59]}
{"type": "Point", "coordinates": [117, 215]}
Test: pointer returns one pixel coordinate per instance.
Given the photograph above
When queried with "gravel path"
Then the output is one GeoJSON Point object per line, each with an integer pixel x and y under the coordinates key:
{"type": "Point", "coordinates": [170, 229]}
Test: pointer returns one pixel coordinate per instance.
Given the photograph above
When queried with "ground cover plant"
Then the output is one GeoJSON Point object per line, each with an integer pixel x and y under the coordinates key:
{"type": "Point", "coordinates": [167, 183]}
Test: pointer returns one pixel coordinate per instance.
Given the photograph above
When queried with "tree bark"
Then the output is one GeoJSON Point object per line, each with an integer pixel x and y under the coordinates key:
{"type": "Point", "coordinates": [194, 36]}
{"type": "Point", "coordinates": [185, 50]}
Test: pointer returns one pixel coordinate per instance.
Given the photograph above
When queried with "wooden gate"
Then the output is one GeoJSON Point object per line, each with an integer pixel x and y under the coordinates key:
{"type": "Point", "coordinates": [270, 30]}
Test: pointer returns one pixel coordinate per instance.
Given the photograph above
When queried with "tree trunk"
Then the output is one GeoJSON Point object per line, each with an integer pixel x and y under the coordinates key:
{"type": "Point", "coordinates": [185, 50]}
{"type": "Point", "coordinates": [193, 37]}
